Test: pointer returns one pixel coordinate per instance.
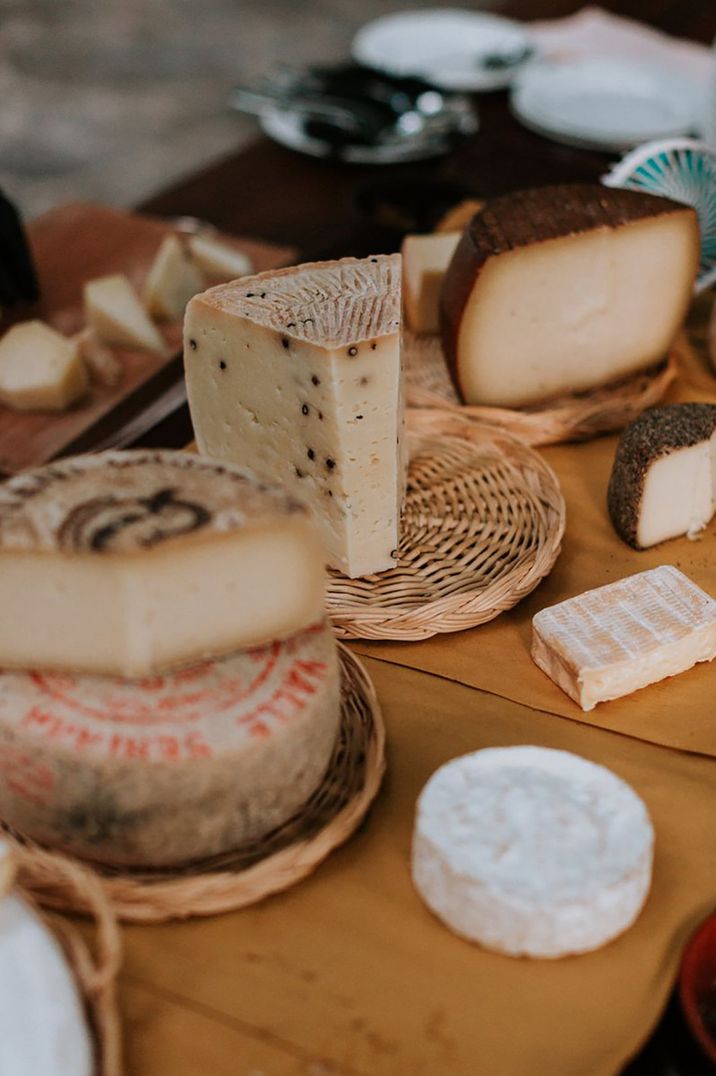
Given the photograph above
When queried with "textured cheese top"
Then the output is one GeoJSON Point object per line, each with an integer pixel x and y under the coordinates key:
{"type": "Point", "coordinates": [125, 502]}
{"type": "Point", "coordinates": [655, 433]}
{"type": "Point", "coordinates": [624, 620]}
{"type": "Point", "coordinates": [326, 303]}
{"type": "Point", "coordinates": [544, 826]}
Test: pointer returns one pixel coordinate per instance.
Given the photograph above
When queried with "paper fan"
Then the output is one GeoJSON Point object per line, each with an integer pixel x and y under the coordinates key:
{"type": "Point", "coordinates": [682, 169]}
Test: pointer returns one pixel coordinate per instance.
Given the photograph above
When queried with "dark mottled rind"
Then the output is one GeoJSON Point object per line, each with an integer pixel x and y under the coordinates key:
{"type": "Point", "coordinates": [656, 433]}
{"type": "Point", "coordinates": [533, 216]}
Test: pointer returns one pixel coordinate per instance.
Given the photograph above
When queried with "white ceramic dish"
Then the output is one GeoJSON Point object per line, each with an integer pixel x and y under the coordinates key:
{"type": "Point", "coordinates": [447, 47]}
{"type": "Point", "coordinates": [602, 103]}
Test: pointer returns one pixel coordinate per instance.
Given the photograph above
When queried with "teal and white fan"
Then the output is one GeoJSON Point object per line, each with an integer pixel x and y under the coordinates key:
{"type": "Point", "coordinates": [682, 169]}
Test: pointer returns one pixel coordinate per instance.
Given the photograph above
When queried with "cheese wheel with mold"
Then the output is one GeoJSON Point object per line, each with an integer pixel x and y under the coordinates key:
{"type": "Point", "coordinates": [173, 768]}
{"type": "Point", "coordinates": [127, 563]}
{"type": "Point", "coordinates": [296, 373]}
{"type": "Point", "coordinates": [563, 289]}
{"type": "Point", "coordinates": [532, 852]}
{"type": "Point", "coordinates": [663, 481]}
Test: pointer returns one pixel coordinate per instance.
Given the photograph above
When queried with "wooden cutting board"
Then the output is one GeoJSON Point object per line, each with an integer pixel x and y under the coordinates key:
{"type": "Point", "coordinates": [71, 244]}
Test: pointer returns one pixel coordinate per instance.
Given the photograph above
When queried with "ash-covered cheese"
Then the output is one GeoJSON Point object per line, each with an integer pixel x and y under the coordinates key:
{"type": "Point", "coordinates": [171, 768]}
{"type": "Point", "coordinates": [564, 289]}
{"type": "Point", "coordinates": [40, 370]}
{"type": "Point", "coordinates": [663, 481]}
{"type": "Point", "coordinates": [532, 852]}
{"type": "Point", "coordinates": [297, 374]}
{"type": "Point", "coordinates": [608, 642]}
{"type": "Point", "coordinates": [129, 562]}
{"type": "Point", "coordinates": [425, 259]}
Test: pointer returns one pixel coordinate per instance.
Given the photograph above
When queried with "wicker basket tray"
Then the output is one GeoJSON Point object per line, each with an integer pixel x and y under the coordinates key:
{"type": "Point", "coordinates": [482, 525]}
{"type": "Point", "coordinates": [569, 418]}
{"type": "Point", "coordinates": [248, 874]}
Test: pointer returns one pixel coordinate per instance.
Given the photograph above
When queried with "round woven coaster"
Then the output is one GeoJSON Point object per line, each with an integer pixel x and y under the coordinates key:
{"type": "Point", "coordinates": [482, 524]}
{"type": "Point", "coordinates": [261, 867]}
{"type": "Point", "coordinates": [568, 418]}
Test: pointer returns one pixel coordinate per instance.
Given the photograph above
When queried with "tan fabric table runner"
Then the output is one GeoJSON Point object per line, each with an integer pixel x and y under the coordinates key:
{"type": "Point", "coordinates": [680, 712]}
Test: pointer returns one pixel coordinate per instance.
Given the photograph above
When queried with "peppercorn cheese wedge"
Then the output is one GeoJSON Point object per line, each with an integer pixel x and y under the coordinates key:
{"type": "Point", "coordinates": [297, 375]}
{"type": "Point", "coordinates": [40, 370]}
{"type": "Point", "coordinates": [127, 563]}
{"type": "Point", "coordinates": [564, 289]}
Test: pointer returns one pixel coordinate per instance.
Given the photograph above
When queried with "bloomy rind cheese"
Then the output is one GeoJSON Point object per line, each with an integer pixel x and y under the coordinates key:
{"type": "Point", "coordinates": [532, 852]}
{"type": "Point", "coordinates": [531, 217]}
{"type": "Point", "coordinates": [654, 434]}
{"type": "Point", "coordinates": [171, 768]}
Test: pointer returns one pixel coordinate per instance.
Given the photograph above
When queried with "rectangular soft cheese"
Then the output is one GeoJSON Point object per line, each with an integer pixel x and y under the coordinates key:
{"type": "Point", "coordinates": [608, 642]}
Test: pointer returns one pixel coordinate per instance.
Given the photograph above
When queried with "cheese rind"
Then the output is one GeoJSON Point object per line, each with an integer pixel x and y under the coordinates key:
{"type": "Point", "coordinates": [171, 768]}
{"type": "Point", "coordinates": [563, 289]}
{"type": "Point", "coordinates": [621, 637]}
{"type": "Point", "coordinates": [663, 480]}
{"type": "Point", "coordinates": [532, 852]}
{"type": "Point", "coordinates": [425, 259]}
{"type": "Point", "coordinates": [40, 370]}
{"type": "Point", "coordinates": [172, 281]}
{"type": "Point", "coordinates": [297, 374]}
{"type": "Point", "coordinates": [129, 562]}
{"type": "Point", "coordinates": [113, 309]}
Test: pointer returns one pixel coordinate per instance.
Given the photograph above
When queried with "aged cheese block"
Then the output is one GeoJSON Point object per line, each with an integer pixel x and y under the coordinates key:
{"type": "Point", "coordinates": [616, 639]}
{"type": "Point", "coordinates": [113, 309]}
{"type": "Point", "coordinates": [532, 852]}
{"type": "Point", "coordinates": [43, 1031]}
{"type": "Point", "coordinates": [425, 259]}
{"type": "Point", "coordinates": [173, 279]}
{"type": "Point", "coordinates": [40, 370]}
{"type": "Point", "coordinates": [663, 481]}
{"type": "Point", "coordinates": [128, 562]}
{"type": "Point", "coordinates": [297, 374]}
{"type": "Point", "coordinates": [216, 260]}
{"type": "Point", "coordinates": [170, 768]}
{"type": "Point", "coordinates": [563, 289]}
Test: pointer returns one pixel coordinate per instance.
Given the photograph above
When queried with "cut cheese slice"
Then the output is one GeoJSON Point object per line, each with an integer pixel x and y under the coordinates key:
{"type": "Point", "coordinates": [171, 768]}
{"type": "Point", "coordinates": [129, 562]}
{"type": "Point", "coordinates": [173, 279]}
{"type": "Point", "coordinates": [608, 642]}
{"type": "Point", "coordinates": [297, 374]}
{"type": "Point", "coordinates": [663, 482]}
{"type": "Point", "coordinates": [563, 289]}
{"type": "Point", "coordinates": [40, 370]}
{"type": "Point", "coordinates": [218, 261]}
{"type": "Point", "coordinates": [532, 852]}
{"type": "Point", "coordinates": [103, 365]}
{"type": "Point", "coordinates": [113, 309]}
{"type": "Point", "coordinates": [425, 259]}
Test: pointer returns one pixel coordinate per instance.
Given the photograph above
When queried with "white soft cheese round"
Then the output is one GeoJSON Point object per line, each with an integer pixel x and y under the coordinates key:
{"type": "Point", "coordinates": [43, 1031]}
{"type": "Point", "coordinates": [171, 768]}
{"type": "Point", "coordinates": [532, 852]}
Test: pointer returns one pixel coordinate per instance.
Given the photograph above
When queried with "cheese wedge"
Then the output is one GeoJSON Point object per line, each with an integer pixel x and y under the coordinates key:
{"type": "Point", "coordinates": [663, 482]}
{"type": "Point", "coordinates": [130, 562]}
{"type": "Point", "coordinates": [173, 279]}
{"type": "Point", "coordinates": [172, 768]}
{"type": "Point", "coordinates": [608, 642]}
{"type": "Point", "coordinates": [100, 361]}
{"type": "Point", "coordinates": [113, 309]}
{"type": "Point", "coordinates": [40, 370]}
{"type": "Point", "coordinates": [563, 289]}
{"type": "Point", "coordinates": [297, 375]}
{"type": "Point", "coordinates": [532, 852]}
{"type": "Point", "coordinates": [425, 259]}
{"type": "Point", "coordinates": [218, 261]}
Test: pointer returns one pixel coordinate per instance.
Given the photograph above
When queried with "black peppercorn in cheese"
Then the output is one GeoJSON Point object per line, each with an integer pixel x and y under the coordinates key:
{"type": "Point", "coordinates": [311, 395]}
{"type": "Point", "coordinates": [126, 563]}
{"type": "Point", "coordinates": [663, 482]}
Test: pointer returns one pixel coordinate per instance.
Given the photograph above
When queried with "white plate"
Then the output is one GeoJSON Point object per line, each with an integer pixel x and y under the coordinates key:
{"type": "Point", "coordinates": [603, 104]}
{"type": "Point", "coordinates": [443, 46]}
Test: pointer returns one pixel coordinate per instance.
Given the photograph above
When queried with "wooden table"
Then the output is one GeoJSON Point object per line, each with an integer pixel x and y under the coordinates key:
{"type": "Point", "coordinates": [328, 979]}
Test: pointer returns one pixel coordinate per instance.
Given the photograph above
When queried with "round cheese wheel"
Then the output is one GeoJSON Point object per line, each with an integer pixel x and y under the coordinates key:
{"type": "Point", "coordinates": [172, 768]}
{"type": "Point", "coordinates": [42, 1025]}
{"type": "Point", "coordinates": [532, 852]}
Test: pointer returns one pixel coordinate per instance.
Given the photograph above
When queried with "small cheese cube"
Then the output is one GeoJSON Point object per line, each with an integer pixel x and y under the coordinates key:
{"type": "Point", "coordinates": [425, 259]}
{"type": "Point", "coordinates": [173, 279]}
{"type": "Point", "coordinates": [40, 370]}
{"type": "Point", "coordinates": [114, 311]}
{"type": "Point", "coordinates": [218, 261]}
